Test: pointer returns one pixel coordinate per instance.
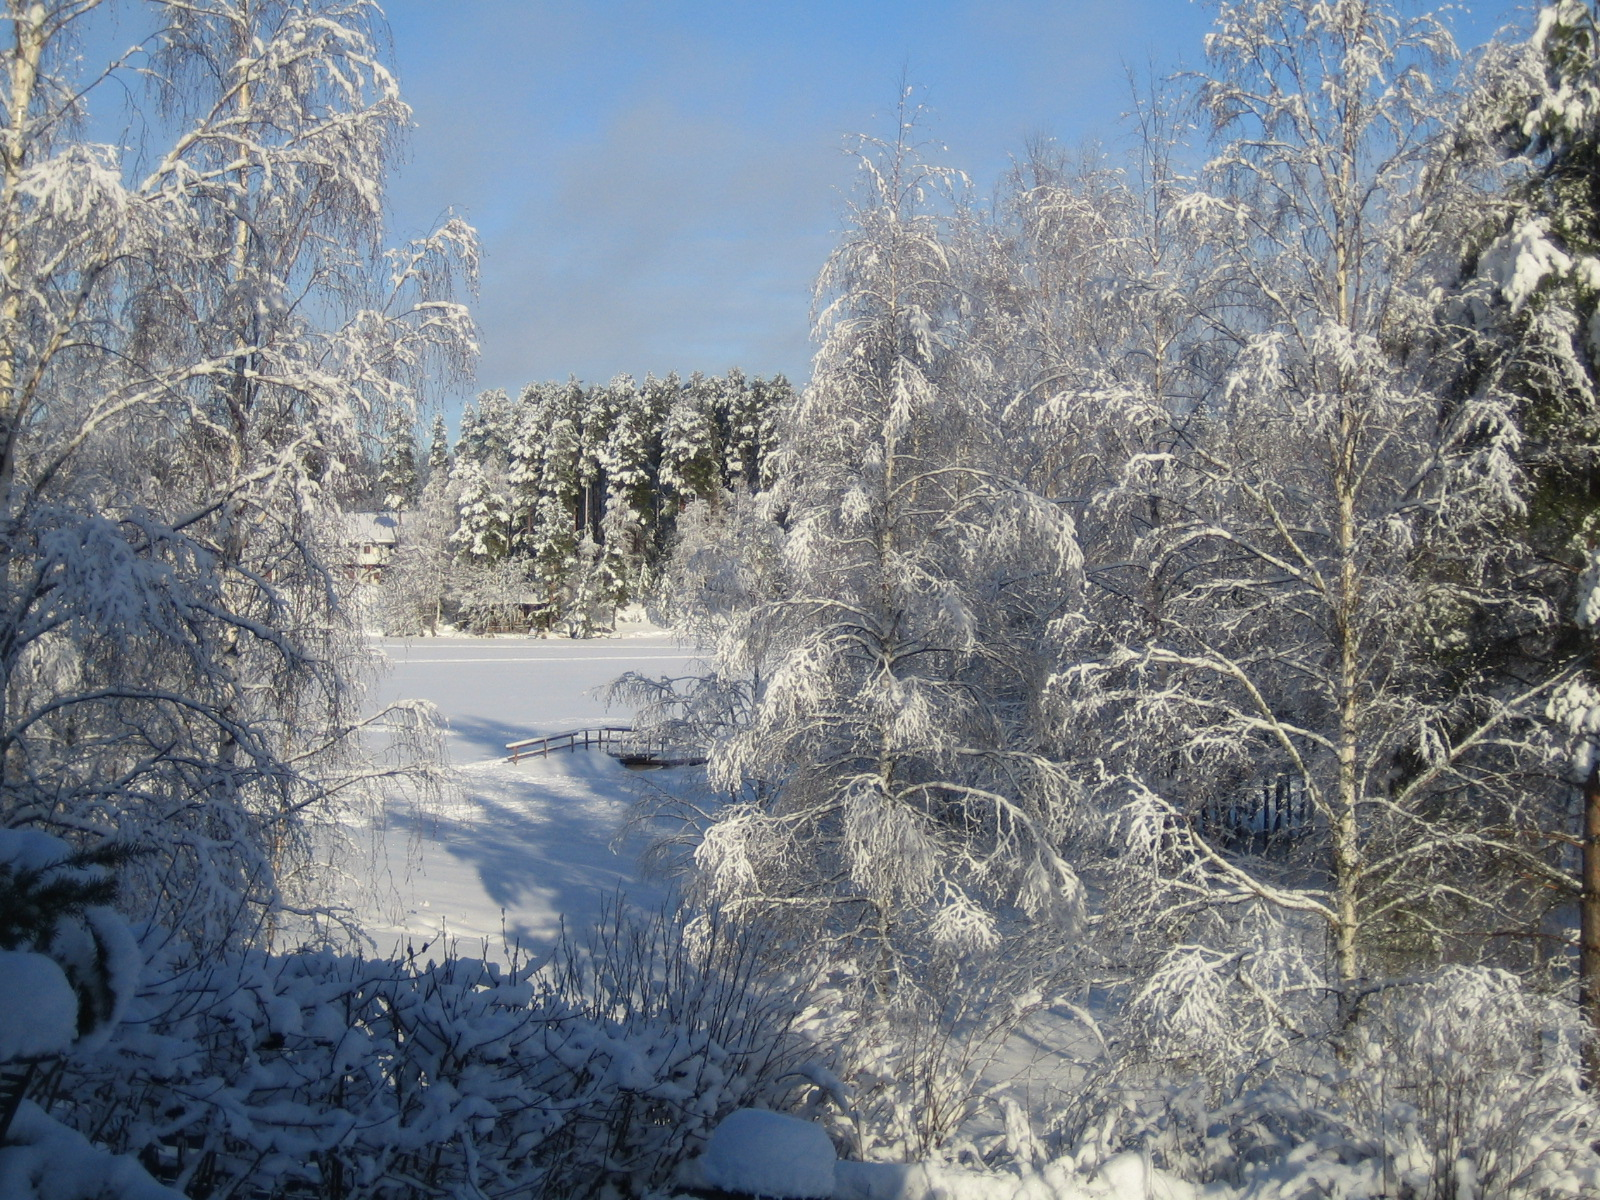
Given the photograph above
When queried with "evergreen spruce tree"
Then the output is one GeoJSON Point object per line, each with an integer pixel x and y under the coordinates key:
{"type": "Point", "coordinates": [597, 416]}
{"type": "Point", "coordinates": [692, 449]}
{"type": "Point", "coordinates": [470, 443]}
{"type": "Point", "coordinates": [739, 403]}
{"type": "Point", "coordinates": [438, 448]}
{"type": "Point", "coordinates": [486, 433]}
{"type": "Point", "coordinates": [525, 461]}
{"type": "Point", "coordinates": [553, 537]}
{"type": "Point", "coordinates": [398, 477]}
{"type": "Point", "coordinates": [497, 421]}
{"type": "Point", "coordinates": [483, 527]}
{"type": "Point", "coordinates": [1526, 319]}
{"type": "Point", "coordinates": [656, 504]}
{"type": "Point", "coordinates": [773, 400]}
{"type": "Point", "coordinates": [629, 518]}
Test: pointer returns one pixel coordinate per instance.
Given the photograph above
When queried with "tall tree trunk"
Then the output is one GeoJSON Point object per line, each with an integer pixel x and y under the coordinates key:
{"type": "Point", "coordinates": [1589, 926]}
{"type": "Point", "coordinates": [27, 53]}
{"type": "Point", "coordinates": [1345, 819]}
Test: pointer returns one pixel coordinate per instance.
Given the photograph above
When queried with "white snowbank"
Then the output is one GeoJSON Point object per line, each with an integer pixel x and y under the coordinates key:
{"type": "Point", "coordinates": [1126, 1177]}
{"type": "Point", "coordinates": [768, 1154]}
{"type": "Point", "coordinates": [44, 1160]}
{"type": "Point", "coordinates": [41, 1009]}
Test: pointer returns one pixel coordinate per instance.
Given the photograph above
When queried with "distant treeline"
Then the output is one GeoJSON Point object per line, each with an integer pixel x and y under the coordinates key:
{"type": "Point", "coordinates": [553, 509]}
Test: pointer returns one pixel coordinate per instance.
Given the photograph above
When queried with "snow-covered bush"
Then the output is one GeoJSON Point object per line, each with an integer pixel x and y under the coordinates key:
{"type": "Point", "coordinates": [1460, 1085]}
{"type": "Point", "coordinates": [695, 1022]}
{"type": "Point", "coordinates": [44, 1160]}
{"type": "Point", "coordinates": [317, 1073]}
{"type": "Point", "coordinates": [913, 1075]}
{"type": "Point", "coordinates": [1473, 1086]}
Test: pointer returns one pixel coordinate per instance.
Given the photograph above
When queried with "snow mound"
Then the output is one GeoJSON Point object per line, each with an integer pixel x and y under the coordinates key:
{"type": "Point", "coordinates": [31, 850]}
{"type": "Point", "coordinates": [41, 1007]}
{"type": "Point", "coordinates": [44, 1160]}
{"type": "Point", "coordinates": [768, 1154]}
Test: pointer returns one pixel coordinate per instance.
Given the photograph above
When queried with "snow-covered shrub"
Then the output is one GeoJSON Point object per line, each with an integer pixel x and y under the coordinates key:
{"type": "Point", "coordinates": [317, 1073]}
{"type": "Point", "coordinates": [1196, 1005]}
{"type": "Point", "coordinates": [698, 1019]}
{"type": "Point", "coordinates": [911, 1075]}
{"type": "Point", "coordinates": [44, 1160]}
{"type": "Point", "coordinates": [1473, 1085]}
{"type": "Point", "coordinates": [1462, 1085]}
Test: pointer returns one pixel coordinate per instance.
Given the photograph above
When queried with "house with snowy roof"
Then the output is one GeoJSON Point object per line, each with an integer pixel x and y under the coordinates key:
{"type": "Point", "coordinates": [370, 541]}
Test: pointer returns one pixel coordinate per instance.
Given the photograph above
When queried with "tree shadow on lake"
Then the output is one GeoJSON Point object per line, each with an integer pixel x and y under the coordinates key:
{"type": "Point", "coordinates": [473, 738]}
{"type": "Point", "coordinates": [539, 836]}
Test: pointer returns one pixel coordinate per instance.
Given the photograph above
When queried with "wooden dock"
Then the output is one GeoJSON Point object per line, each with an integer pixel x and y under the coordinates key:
{"type": "Point", "coordinates": [622, 742]}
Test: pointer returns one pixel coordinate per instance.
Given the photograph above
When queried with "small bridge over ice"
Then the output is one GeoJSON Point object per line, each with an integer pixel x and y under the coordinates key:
{"type": "Point", "coordinates": [622, 742]}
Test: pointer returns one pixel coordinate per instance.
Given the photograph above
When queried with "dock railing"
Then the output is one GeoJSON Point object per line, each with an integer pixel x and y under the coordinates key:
{"type": "Point", "coordinates": [620, 741]}
{"type": "Point", "coordinates": [603, 736]}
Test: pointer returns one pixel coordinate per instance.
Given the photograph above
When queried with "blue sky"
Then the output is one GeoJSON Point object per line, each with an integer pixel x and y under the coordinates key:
{"type": "Point", "coordinates": [656, 182]}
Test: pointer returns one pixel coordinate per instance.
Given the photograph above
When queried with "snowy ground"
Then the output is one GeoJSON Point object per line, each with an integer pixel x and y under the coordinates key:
{"type": "Point", "coordinates": [522, 847]}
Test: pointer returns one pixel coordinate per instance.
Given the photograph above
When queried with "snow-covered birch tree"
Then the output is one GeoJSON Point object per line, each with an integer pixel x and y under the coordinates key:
{"type": "Point", "coordinates": [1323, 790]}
{"type": "Point", "coordinates": [423, 574]}
{"type": "Point", "coordinates": [888, 798]}
{"type": "Point", "coordinates": [193, 340]}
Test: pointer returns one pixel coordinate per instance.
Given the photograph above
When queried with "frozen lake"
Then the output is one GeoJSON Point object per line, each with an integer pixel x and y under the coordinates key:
{"type": "Point", "coordinates": [491, 691]}
{"type": "Point", "coordinates": [526, 846]}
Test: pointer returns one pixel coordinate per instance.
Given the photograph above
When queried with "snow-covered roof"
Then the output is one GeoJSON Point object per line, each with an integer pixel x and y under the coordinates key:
{"type": "Point", "coordinates": [375, 528]}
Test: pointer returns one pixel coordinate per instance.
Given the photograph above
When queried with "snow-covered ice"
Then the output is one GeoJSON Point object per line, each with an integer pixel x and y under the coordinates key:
{"type": "Point", "coordinates": [524, 846]}
{"type": "Point", "coordinates": [491, 691]}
